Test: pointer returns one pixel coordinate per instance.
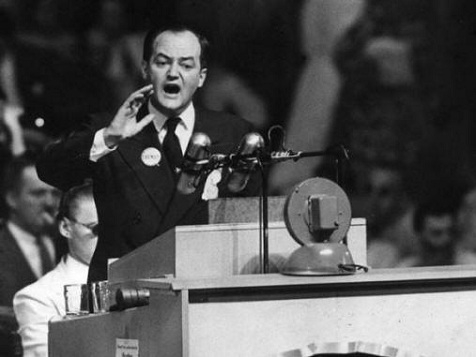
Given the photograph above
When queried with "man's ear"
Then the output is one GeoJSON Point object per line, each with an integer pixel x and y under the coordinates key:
{"type": "Point", "coordinates": [10, 200]}
{"type": "Point", "coordinates": [64, 229]}
{"type": "Point", "coordinates": [203, 76]}
{"type": "Point", "coordinates": [145, 71]}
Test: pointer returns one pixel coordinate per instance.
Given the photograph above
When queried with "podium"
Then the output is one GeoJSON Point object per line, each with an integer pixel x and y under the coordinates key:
{"type": "Point", "coordinates": [411, 312]}
{"type": "Point", "coordinates": [217, 250]}
{"type": "Point", "coordinates": [221, 249]}
{"type": "Point", "coordinates": [203, 304]}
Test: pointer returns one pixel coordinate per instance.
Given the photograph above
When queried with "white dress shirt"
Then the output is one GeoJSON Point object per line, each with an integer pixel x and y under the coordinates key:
{"type": "Point", "coordinates": [36, 304]}
{"type": "Point", "coordinates": [183, 131]}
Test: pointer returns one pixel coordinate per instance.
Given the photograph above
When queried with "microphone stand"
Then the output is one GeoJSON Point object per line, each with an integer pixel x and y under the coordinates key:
{"type": "Point", "coordinates": [263, 158]}
{"type": "Point", "coordinates": [264, 206]}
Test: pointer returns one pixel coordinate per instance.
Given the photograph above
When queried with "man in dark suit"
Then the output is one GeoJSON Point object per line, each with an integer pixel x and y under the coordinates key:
{"type": "Point", "coordinates": [130, 158]}
{"type": "Point", "coordinates": [27, 250]}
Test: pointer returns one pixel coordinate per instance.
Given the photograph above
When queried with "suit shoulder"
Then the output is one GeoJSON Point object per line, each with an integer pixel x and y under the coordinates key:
{"type": "Point", "coordinates": [45, 286]}
{"type": "Point", "coordinates": [224, 122]}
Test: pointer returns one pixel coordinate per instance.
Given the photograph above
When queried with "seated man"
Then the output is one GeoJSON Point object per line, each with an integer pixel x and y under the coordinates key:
{"type": "Point", "coordinates": [27, 236]}
{"type": "Point", "coordinates": [37, 303]}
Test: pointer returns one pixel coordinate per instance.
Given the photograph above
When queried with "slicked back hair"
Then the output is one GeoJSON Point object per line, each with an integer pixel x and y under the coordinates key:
{"type": "Point", "coordinates": [70, 199]}
{"type": "Point", "coordinates": [153, 33]}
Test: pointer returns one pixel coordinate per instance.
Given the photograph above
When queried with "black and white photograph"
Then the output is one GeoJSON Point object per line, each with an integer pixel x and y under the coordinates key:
{"type": "Point", "coordinates": [240, 178]}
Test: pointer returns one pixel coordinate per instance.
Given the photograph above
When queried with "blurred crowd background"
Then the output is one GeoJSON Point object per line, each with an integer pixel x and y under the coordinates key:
{"type": "Point", "coordinates": [392, 81]}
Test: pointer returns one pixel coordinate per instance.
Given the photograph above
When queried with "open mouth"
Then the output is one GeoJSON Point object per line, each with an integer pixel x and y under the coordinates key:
{"type": "Point", "coordinates": [171, 88]}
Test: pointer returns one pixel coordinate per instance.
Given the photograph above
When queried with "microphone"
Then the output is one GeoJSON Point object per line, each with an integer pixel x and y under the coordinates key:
{"type": "Point", "coordinates": [276, 137]}
{"type": "Point", "coordinates": [277, 150]}
{"type": "Point", "coordinates": [195, 158]}
{"type": "Point", "coordinates": [242, 168]}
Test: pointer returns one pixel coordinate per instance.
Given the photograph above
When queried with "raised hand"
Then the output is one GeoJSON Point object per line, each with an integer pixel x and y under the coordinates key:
{"type": "Point", "coordinates": [125, 124]}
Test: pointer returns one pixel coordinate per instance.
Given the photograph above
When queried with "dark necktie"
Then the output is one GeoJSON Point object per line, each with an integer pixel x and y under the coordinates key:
{"type": "Point", "coordinates": [171, 145]}
{"type": "Point", "coordinates": [46, 262]}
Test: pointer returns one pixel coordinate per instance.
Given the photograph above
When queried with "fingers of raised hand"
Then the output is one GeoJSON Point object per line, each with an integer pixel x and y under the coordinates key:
{"type": "Point", "coordinates": [136, 100]}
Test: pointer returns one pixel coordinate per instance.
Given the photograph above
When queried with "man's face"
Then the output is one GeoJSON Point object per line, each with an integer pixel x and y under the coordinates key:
{"type": "Point", "coordinates": [438, 230]}
{"type": "Point", "coordinates": [82, 234]}
{"type": "Point", "coordinates": [35, 205]}
{"type": "Point", "coordinates": [384, 197]}
{"type": "Point", "coordinates": [174, 69]}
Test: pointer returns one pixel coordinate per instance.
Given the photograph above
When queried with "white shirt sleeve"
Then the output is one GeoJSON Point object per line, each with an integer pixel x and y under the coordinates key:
{"type": "Point", "coordinates": [99, 148]}
{"type": "Point", "coordinates": [33, 314]}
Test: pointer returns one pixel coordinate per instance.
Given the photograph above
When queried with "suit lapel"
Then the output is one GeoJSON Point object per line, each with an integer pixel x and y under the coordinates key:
{"type": "Point", "coordinates": [156, 180]}
{"type": "Point", "coordinates": [15, 256]}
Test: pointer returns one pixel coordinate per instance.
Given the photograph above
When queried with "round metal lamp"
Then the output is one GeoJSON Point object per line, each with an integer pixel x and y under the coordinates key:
{"type": "Point", "coordinates": [317, 214]}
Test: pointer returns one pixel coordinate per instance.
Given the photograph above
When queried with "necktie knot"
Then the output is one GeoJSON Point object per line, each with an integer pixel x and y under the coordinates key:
{"type": "Point", "coordinates": [171, 125]}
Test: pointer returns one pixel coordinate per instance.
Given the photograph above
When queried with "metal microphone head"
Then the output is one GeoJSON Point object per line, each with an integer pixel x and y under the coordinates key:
{"type": "Point", "coordinates": [242, 168]}
{"type": "Point", "coordinates": [197, 149]}
{"type": "Point", "coordinates": [197, 152]}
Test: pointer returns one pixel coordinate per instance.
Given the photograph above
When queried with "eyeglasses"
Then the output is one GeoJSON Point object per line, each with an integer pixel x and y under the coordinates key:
{"type": "Point", "coordinates": [93, 227]}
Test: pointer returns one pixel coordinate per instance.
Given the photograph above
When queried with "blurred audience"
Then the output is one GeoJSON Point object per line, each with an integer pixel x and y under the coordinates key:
{"type": "Point", "coordinates": [437, 242]}
{"type": "Point", "coordinates": [388, 99]}
{"type": "Point", "coordinates": [57, 85]}
{"type": "Point", "coordinates": [11, 105]}
{"type": "Point", "coordinates": [12, 135]}
{"type": "Point", "coordinates": [309, 123]}
{"type": "Point", "coordinates": [388, 209]}
{"type": "Point", "coordinates": [257, 41]}
{"type": "Point", "coordinates": [466, 220]}
{"type": "Point", "coordinates": [36, 304]}
{"type": "Point", "coordinates": [27, 235]}
{"type": "Point", "coordinates": [48, 31]}
{"type": "Point", "coordinates": [9, 91]}
{"type": "Point", "coordinates": [114, 50]}
{"type": "Point", "coordinates": [226, 91]}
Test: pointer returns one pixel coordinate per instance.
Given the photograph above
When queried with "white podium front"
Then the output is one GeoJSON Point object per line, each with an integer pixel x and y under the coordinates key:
{"type": "Point", "coordinates": [216, 250]}
{"type": "Point", "coordinates": [417, 312]}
